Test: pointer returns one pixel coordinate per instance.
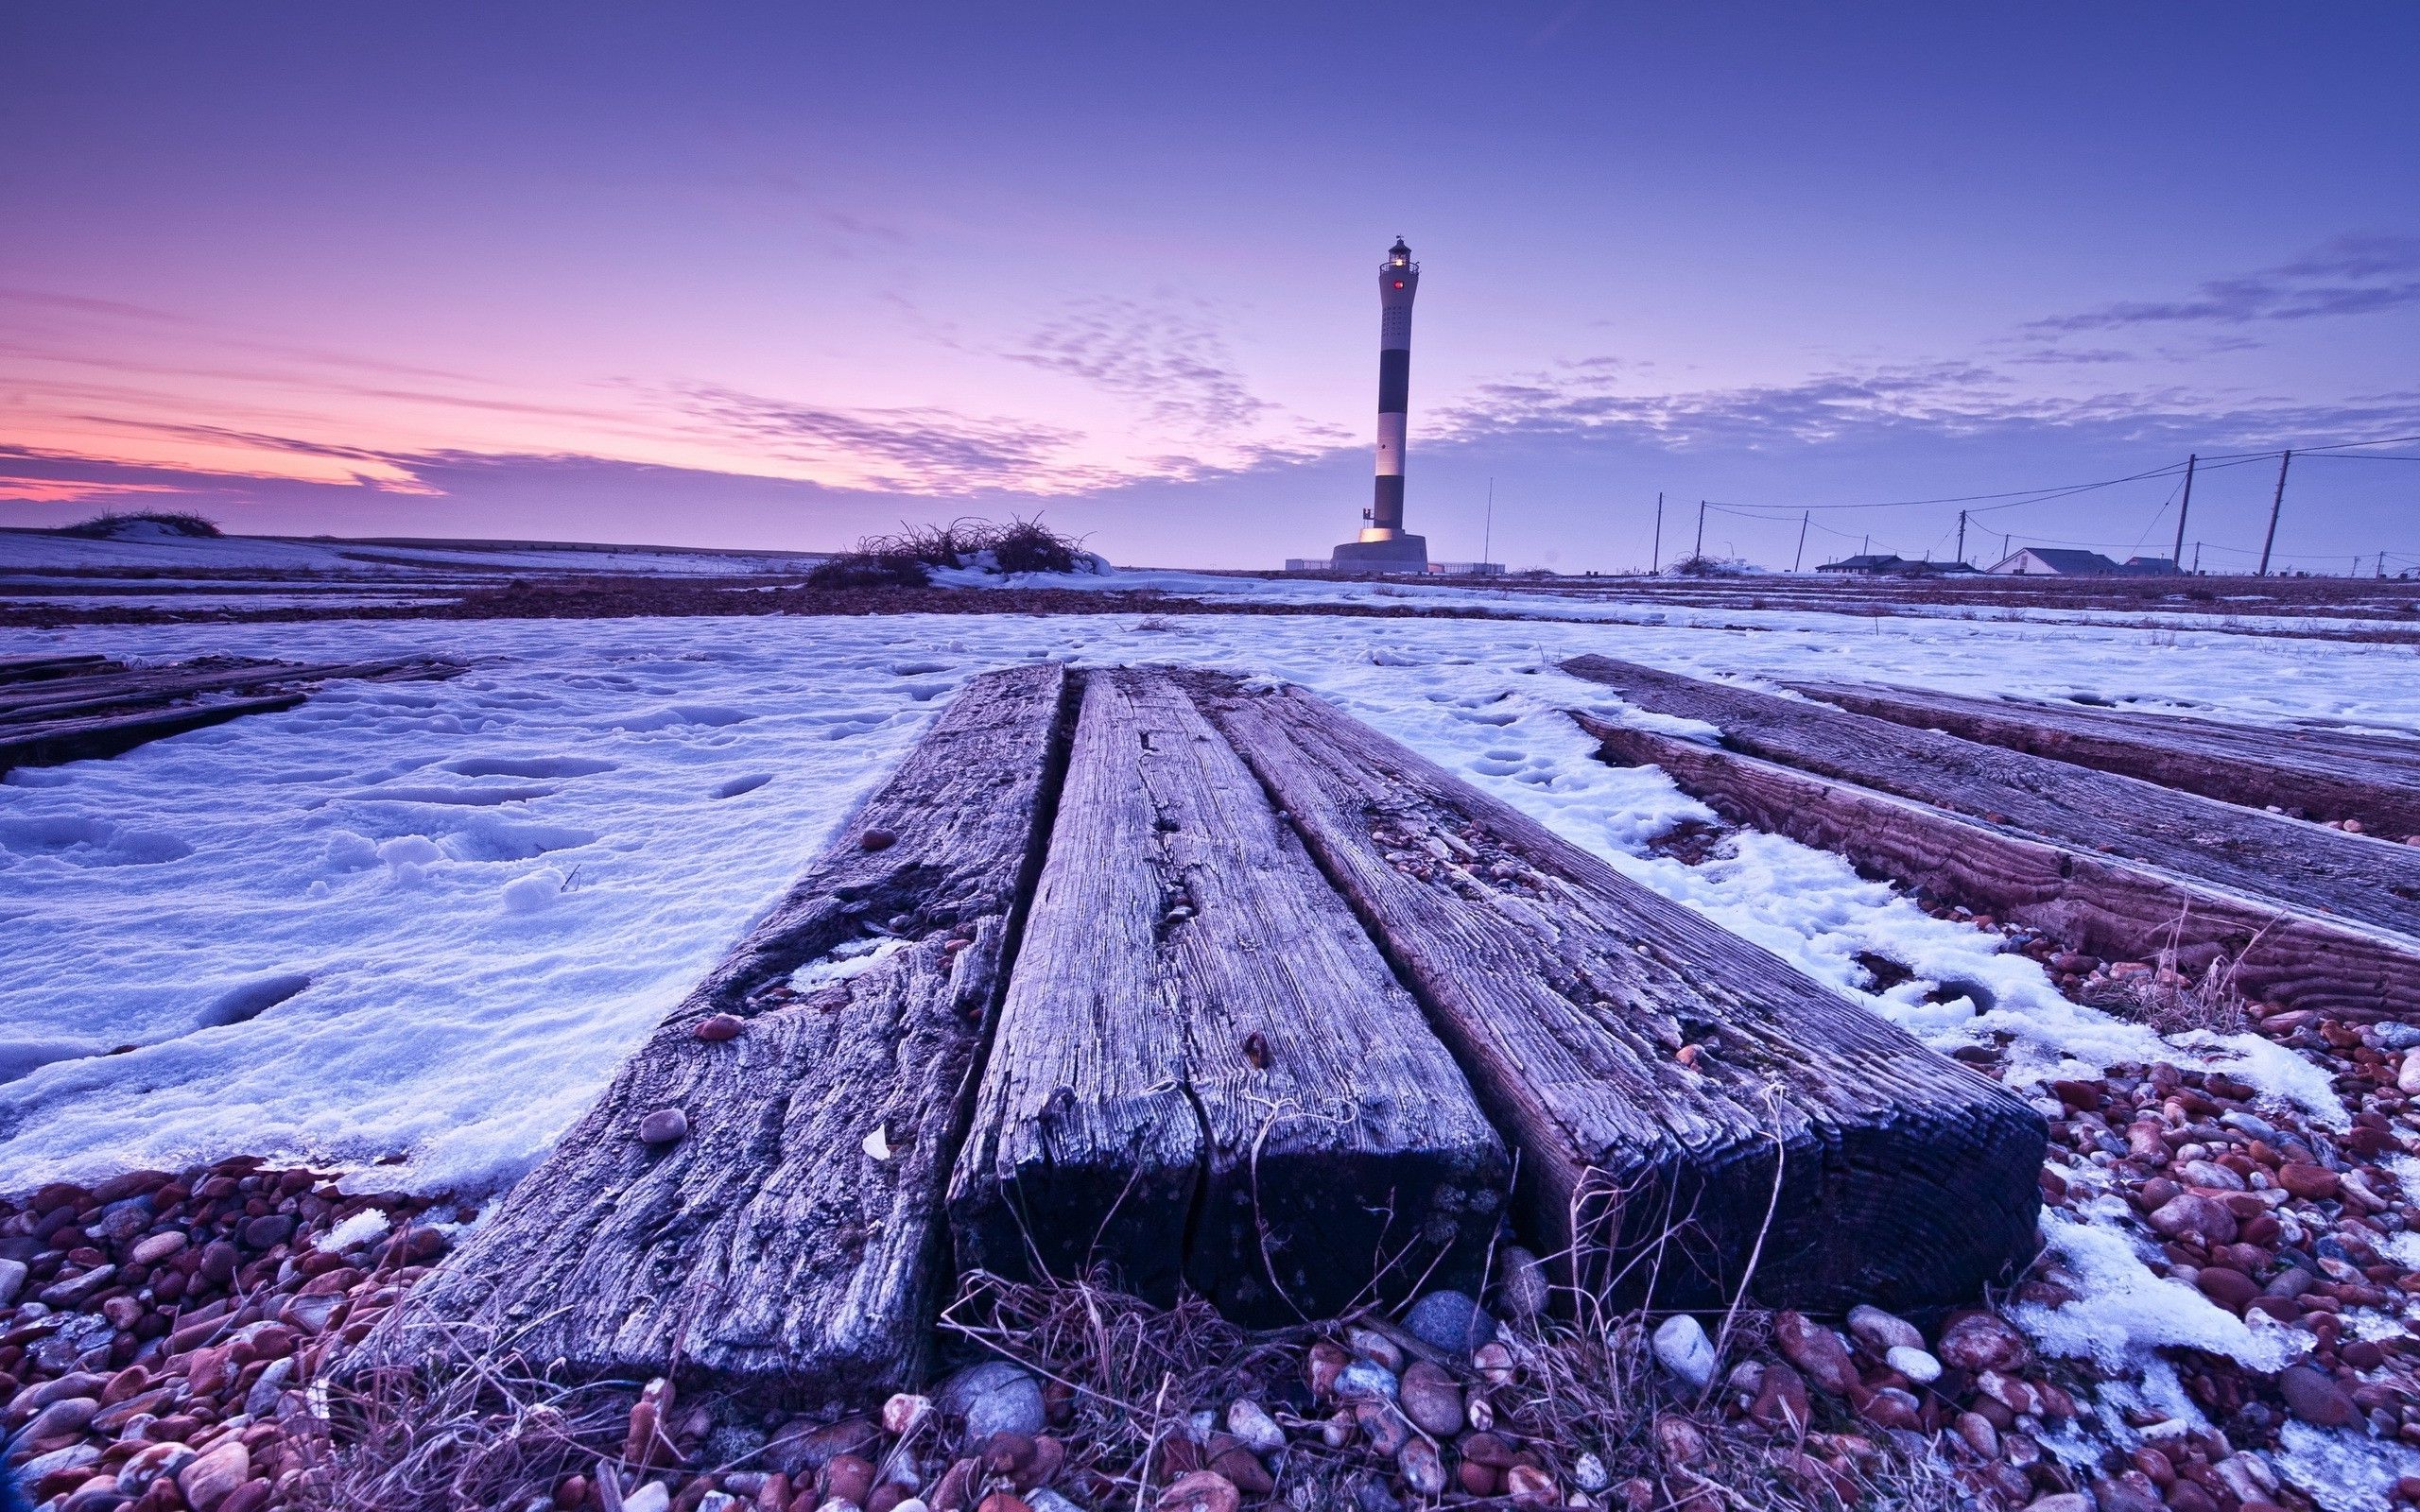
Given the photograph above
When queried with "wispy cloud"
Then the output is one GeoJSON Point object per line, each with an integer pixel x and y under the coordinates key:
{"type": "Point", "coordinates": [908, 451]}
{"type": "Point", "coordinates": [2354, 274]}
{"type": "Point", "coordinates": [1168, 361]}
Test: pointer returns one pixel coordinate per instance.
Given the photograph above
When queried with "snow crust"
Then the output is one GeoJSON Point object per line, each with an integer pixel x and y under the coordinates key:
{"type": "Point", "coordinates": [420, 923]}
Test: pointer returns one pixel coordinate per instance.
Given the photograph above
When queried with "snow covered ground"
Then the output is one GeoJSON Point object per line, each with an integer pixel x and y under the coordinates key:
{"type": "Point", "coordinates": [412, 927]}
{"type": "Point", "coordinates": [420, 922]}
{"type": "Point", "coordinates": [142, 547]}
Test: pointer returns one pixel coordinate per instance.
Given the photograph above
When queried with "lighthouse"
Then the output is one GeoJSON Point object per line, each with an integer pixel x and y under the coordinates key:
{"type": "Point", "coordinates": [1383, 547]}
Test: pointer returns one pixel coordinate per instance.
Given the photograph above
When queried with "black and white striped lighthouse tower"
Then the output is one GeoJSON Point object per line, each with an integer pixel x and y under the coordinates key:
{"type": "Point", "coordinates": [1383, 546]}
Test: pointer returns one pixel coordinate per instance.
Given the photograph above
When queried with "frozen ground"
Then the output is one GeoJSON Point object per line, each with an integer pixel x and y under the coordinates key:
{"type": "Point", "coordinates": [420, 922]}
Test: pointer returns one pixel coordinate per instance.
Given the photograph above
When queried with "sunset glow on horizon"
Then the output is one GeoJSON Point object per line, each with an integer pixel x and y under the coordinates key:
{"type": "Point", "coordinates": [773, 276]}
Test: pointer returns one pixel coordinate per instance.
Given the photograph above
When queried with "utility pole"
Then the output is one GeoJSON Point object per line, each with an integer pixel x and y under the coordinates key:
{"type": "Point", "coordinates": [1868, 549]}
{"type": "Point", "coordinates": [1962, 538]}
{"type": "Point", "coordinates": [1657, 565]}
{"type": "Point", "coordinates": [1800, 561]}
{"type": "Point", "coordinates": [1700, 552]}
{"type": "Point", "coordinates": [2178, 554]}
{"type": "Point", "coordinates": [2197, 558]}
{"type": "Point", "coordinates": [1487, 536]}
{"type": "Point", "coordinates": [2381, 564]}
{"type": "Point", "coordinates": [2274, 505]}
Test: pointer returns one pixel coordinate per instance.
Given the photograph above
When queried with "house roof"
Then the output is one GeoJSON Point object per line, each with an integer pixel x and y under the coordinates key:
{"type": "Point", "coordinates": [2060, 559]}
{"type": "Point", "coordinates": [1864, 561]}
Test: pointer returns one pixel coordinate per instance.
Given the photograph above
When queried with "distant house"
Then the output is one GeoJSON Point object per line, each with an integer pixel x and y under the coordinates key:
{"type": "Point", "coordinates": [2150, 566]}
{"type": "Point", "coordinates": [1871, 564]}
{"type": "Point", "coordinates": [2044, 562]}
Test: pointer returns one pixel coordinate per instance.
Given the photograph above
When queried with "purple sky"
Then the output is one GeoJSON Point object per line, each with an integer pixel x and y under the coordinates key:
{"type": "Point", "coordinates": [781, 275]}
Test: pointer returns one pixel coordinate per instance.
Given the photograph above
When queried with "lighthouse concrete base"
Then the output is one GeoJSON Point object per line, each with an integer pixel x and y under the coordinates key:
{"type": "Point", "coordinates": [1401, 554]}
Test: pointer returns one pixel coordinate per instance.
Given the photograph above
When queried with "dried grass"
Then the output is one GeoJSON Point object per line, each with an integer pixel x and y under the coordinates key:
{"type": "Point", "coordinates": [907, 560]}
{"type": "Point", "coordinates": [473, 1426]}
{"type": "Point", "coordinates": [1589, 1386]}
{"type": "Point", "coordinates": [101, 526]}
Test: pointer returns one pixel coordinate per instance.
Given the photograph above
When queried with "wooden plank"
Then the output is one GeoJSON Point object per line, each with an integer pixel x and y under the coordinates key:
{"type": "Point", "coordinates": [40, 667]}
{"type": "Point", "coordinates": [133, 688]}
{"type": "Point", "coordinates": [2233, 850]}
{"type": "Point", "coordinates": [1203, 1069]}
{"type": "Point", "coordinates": [93, 737]}
{"type": "Point", "coordinates": [46, 732]}
{"type": "Point", "coordinates": [1652, 1069]}
{"type": "Point", "coordinates": [2088, 901]}
{"type": "Point", "coordinates": [2307, 773]}
{"type": "Point", "coordinates": [790, 1246]}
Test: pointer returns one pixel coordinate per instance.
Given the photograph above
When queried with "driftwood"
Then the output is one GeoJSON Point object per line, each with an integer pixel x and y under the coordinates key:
{"type": "Point", "coordinates": [1693, 1117]}
{"type": "Point", "coordinates": [96, 709]}
{"type": "Point", "coordinates": [1204, 1069]}
{"type": "Point", "coordinates": [2305, 867]}
{"type": "Point", "coordinates": [2084, 900]}
{"type": "Point", "coordinates": [791, 1243]}
{"type": "Point", "coordinates": [2315, 774]}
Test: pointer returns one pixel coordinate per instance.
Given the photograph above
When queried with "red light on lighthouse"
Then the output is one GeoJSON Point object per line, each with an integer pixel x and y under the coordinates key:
{"type": "Point", "coordinates": [1398, 282]}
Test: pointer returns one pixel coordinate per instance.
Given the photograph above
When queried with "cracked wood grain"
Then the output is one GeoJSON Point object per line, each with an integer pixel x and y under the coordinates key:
{"type": "Point", "coordinates": [1653, 1071]}
{"type": "Point", "coordinates": [783, 1248]}
{"type": "Point", "coordinates": [1204, 1072]}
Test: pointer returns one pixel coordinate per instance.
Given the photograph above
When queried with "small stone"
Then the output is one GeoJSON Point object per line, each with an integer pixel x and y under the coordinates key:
{"type": "Point", "coordinates": [67, 1415]}
{"type": "Point", "coordinates": [1883, 1331]}
{"type": "Point", "coordinates": [666, 1126]}
{"type": "Point", "coordinates": [1452, 1321]}
{"type": "Point", "coordinates": [1976, 1342]}
{"type": "Point", "coordinates": [1202, 1491]}
{"type": "Point", "coordinates": [1241, 1466]}
{"type": "Point", "coordinates": [1679, 1441]}
{"type": "Point", "coordinates": [1431, 1399]}
{"type": "Point", "coordinates": [1781, 1400]}
{"type": "Point", "coordinates": [1250, 1423]}
{"type": "Point", "coordinates": [1683, 1349]}
{"type": "Point", "coordinates": [1817, 1351]}
{"type": "Point", "coordinates": [1523, 1291]}
{"type": "Point", "coordinates": [1528, 1486]}
{"type": "Point", "coordinates": [2060, 1501]}
{"type": "Point", "coordinates": [1422, 1469]}
{"type": "Point", "coordinates": [1326, 1360]}
{"type": "Point", "coordinates": [850, 1478]}
{"type": "Point", "coordinates": [12, 1281]}
{"type": "Point", "coordinates": [993, 1397]}
{"type": "Point", "coordinates": [876, 840]}
{"type": "Point", "coordinates": [1917, 1364]}
{"type": "Point", "coordinates": [652, 1497]}
{"type": "Point", "coordinates": [2316, 1399]}
{"type": "Point", "coordinates": [1893, 1408]}
{"type": "Point", "coordinates": [2309, 1182]}
{"type": "Point", "coordinates": [1371, 1345]}
{"type": "Point", "coordinates": [1366, 1380]}
{"type": "Point", "coordinates": [905, 1412]}
{"type": "Point", "coordinates": [1495, 1363]}
{"type": "Point", "coordinates": [2231, 1289]}
{"type": "Point", "coordinates": [213, 1476]}
{"type": "Point", "coordinates": [1383, 1426]}
{"type": "Point", "coordinates": [1041, 1499]}
{"type": "Point", "coordinates": [715, 1028]}
{"type": "Point", "coordinates": [2189, 1215]}
{"type": "Point", "coordinates": [1588, 1473]}
{"type": "Point", "coordinates": [155, 1248]}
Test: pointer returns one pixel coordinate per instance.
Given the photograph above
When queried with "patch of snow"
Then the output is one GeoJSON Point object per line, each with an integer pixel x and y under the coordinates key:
{"type": "Point", "coordinates": [852, 959]}
{"type": "Point", "coordinates": [2125, 1310]}
{"type": "Point", "coordinates": [355, 1232]}
{"type": "Point", "coordinates": [2342, 1472]}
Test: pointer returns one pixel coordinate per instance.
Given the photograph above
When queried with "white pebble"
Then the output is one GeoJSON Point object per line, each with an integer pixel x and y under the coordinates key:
{"type": "Point", "coordinates": [1916, 1365]}
{"type": "Point", "coordinates": [1682, 1347]}
{"type": "Point", "coordinates": [1259, 1431]}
